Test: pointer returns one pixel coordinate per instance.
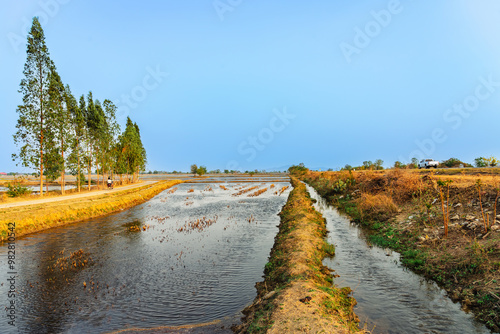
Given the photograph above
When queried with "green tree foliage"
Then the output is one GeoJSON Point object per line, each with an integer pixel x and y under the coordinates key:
{"type": "Point", "coordinates": [299, 169]}
{"type": "Point", "coordinates": [480, 162]}
{"type": "Point", "coordinates": [486, 162]}
{"type": "Point", "coordinates": [202, 170]}
{"type": "Point", "coordinates": [61, 126]}
{"type": "Point", "coordinates": [367, 164]}
{"type": "Point", "coordinates": [34, 133]}
{"type": "Point", "coordinates": [131, 153]}
{"type": "Point", "coordinates": [378, 164]}
{"type": "Point", "coordinates": [399, 164]}
{"type": "Point", "coordinates": [78, 140]}
{"type": "Point", "coordinates": [111, 136]}
{"type": "Point", "coordinates": [453, 163]}
{"type": "Point", "coordinates": [194, 169]}
{"type": "Point", "coordinates": [414, 163]}
{"type": "Point", "coordinates": [55, 133]}
{"type": "Point", "coordinates": [142, 157]}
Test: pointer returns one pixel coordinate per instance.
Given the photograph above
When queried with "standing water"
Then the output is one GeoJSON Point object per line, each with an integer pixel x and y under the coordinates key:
{"type": "Point", "coordinates": [390, 298]}
{"type": "Point", "coordinates": [190, 255]}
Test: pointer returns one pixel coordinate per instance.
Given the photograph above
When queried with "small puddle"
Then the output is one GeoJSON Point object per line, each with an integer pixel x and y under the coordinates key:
{"type": "Point", "coordinates": [391, 299]}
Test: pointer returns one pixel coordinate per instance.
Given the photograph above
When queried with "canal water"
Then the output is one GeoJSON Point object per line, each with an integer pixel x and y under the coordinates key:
{"type": "Point", "coordinates": [190, 255]}
{"type": "Point", "coordinates": [390, 298]}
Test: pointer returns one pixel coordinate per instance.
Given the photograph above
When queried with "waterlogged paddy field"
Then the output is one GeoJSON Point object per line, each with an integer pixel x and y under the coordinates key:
{"type": "Point", "coordinates": [192, 254]}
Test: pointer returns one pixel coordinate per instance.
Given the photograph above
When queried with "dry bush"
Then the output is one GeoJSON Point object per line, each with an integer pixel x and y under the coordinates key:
{"type": "Point", "coordinates": [404, 186]}
{"type": "Point", "coordinates": [371, 182]}
{"type": "Point", "coordinates": [376, 207]}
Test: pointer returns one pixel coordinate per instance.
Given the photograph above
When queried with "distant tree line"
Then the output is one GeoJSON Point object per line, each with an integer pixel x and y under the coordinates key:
{"type": "Point", "coordinates": [57, 134]}
{"type": "Point", "coordinates": [449, 163]}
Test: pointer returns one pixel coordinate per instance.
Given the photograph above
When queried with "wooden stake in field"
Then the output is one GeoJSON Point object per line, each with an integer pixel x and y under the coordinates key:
{"type": "Point", "coordinates": [446, 211]}
{"type": "Point", "coordinates": [485, 222]}
{"type": "Point", "coordinates": [497, 188]}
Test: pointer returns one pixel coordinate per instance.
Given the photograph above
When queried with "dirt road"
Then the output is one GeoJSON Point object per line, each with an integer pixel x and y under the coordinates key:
{"type": "Point", "coordinates": [83, 194]}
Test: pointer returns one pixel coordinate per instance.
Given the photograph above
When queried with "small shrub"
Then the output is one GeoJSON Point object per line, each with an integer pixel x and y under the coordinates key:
{"type": "Point", "coordinates": [329, 249]}
{"type": "Point", "coordinates": [453, 163]}
{"type": "Point", "coordinates": [298, 170]}
{"type": "Point", "coordinates": [339, 187]}
{"type": "Point", "coordinates": [17, 190]}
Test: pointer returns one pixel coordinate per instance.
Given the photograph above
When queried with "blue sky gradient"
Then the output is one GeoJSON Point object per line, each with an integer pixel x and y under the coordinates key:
{"type": "Point", "coordinates": [261, 85]}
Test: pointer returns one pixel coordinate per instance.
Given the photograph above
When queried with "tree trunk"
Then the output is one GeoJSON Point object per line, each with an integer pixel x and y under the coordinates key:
{"type": "Point", "coordinates": [78, 163]}
{"type": "Point", "coordinates": [63, 167]}
{"type": "Point", "coordinates": [41, 176]}
{"type": "Point", "coordinates": [41, 128]}
{"type": "Point", "coordinates": [89, 170]}
{"type": "Point", "coordinates": [103, 168]}
{"type": "Point", "coordinates": [41, 155]}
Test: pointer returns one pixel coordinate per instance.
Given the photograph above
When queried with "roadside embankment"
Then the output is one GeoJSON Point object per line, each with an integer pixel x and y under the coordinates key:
{"type": "Point", "coordinates": [40, 216]}
{"type": "Point", "coordinates": [297, 295]}
{"type": "Point", "coordinates": [444, 226]}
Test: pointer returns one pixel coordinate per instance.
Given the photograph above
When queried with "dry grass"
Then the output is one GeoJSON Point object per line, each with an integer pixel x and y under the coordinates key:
{"type": "Point", "coordinates": [244, 190]}
{"type": "Point", "coordinates": [33, 218]}
{"type": "Point", "coordinates": [466, 181]}
{"type": "Point", "coordinates": [378, 206]}
{"type": "Point", "coordinates": [444, 224]}
{"type": "Point", "coordinates": [257, 193]}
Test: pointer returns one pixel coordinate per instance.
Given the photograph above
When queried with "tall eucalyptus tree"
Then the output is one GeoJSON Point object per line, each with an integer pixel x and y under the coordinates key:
{"type": "Point", "coordinates": [34, 133]}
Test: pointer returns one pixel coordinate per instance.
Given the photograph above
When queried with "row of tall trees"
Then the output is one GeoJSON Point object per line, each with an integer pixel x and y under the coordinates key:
{"type": "Point", "coordinates": [57, 134]}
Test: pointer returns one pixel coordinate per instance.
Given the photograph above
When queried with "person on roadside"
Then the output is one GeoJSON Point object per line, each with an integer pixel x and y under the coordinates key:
{"type": "Point", "coordinates": [110, 183]}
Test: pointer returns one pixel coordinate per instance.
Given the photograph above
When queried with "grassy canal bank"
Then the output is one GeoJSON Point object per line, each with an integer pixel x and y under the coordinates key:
{"type": "Point", "coordinates": [37, 217]}
{"type": "Point", "coordinates": [444, 225]}
{"type": "Point", "coordinates": [297, 294]}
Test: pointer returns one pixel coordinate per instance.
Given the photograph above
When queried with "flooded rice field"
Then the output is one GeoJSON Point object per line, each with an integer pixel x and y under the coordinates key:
{"type": "Point", "coordinates": [237, 179]}
{"type": "Point", "coordinates": [390, 298]}
{"type": "Point", "coordinates": [190, 255]}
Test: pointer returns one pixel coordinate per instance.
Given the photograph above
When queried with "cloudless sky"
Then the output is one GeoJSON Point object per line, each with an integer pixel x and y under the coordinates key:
{"type": "Point", "coordinates": [260, 84]}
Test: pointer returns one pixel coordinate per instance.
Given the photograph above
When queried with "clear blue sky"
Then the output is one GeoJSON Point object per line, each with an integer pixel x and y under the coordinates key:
{"type": "Point", "coordinates": [262, 84]}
